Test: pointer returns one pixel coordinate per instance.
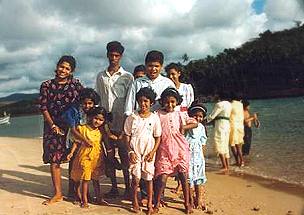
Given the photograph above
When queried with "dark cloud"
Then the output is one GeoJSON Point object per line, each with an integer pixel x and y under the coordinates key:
{"type": "Point", "coordinates": [34, 34]}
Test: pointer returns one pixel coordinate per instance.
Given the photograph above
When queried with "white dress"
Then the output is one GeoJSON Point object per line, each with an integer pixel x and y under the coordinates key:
{"type": "Point", "coordinates": [236, 123]}
{"type": "Point", "coordinates": [142, 132]}
{"type": "Point", "coordinates": [221, 114]}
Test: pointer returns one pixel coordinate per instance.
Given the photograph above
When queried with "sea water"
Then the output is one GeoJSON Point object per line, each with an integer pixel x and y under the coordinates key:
{"type": "Point", "coordinates": [277, 149]}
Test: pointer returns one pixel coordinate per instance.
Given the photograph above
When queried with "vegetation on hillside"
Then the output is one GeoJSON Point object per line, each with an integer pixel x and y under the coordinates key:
{"type": "Point", "coordinates": [269, 66]}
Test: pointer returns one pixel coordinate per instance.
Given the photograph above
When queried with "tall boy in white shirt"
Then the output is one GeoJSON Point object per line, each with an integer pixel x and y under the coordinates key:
{"type": "Point", "coordinates": [112, 85]}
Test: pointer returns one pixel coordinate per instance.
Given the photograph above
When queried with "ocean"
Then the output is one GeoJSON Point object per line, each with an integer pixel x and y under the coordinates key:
{"type": "Point", "coordinates": [277, 150]}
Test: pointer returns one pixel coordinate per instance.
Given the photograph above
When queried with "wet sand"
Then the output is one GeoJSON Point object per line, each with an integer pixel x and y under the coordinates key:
{"type": "Point", "coordinates": [25, 183]}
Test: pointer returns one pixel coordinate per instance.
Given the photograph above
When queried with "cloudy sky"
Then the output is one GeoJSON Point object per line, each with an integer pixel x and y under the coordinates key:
{"type": "Point", "coordinates": [35, 33]}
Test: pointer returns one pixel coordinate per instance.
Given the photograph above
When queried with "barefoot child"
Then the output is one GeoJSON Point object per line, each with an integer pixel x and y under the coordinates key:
{"type": "Point", "coordinates": [197, 141]}
{"type": "Point", "coordinates": [143, 130]}
{"type": "Point", "coordinates": [174, 72]}
{"type": "Point", "coordinates": [173, 155]}
{"type": "Point", "coordinates": [88, 159]}
{"type": "Point", "coordinates": [75, 116]}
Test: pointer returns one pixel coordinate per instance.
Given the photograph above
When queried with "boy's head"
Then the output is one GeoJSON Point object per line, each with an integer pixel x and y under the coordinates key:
{"type": "Point", "coordinates": [139, 71]}
{"type": "Point", "coordinates": [114, 52]}
{"type": "Point", "coordinates": [89, 99]}
{"type": "Point", "coordinates": [154, 61]}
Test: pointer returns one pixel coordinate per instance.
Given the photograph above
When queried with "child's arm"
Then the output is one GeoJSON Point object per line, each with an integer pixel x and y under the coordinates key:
{"type": "Point", "coordinates": [150, 155]}
{"type": "Point", "coordinates": [132, 156]}
{"type": "Point", "coordinates": [189, 124]}
{"type": "Point", "coordinates": [248, 118]}
{"type": "Point", "coordinates": [70, 155]}
{"type": "Point", "coordinates": [80, 137]}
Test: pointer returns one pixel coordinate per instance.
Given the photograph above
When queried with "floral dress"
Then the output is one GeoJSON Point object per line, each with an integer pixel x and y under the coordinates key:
{"type": "Point", "coordinates": [57, 98]}
{"type": "Point", "coordinates": [173, 153]}
{"type": "Point", "coordinates": [197, 139]}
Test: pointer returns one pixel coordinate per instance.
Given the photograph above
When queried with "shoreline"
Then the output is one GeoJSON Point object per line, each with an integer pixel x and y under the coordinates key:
{"type": "Point", "coordinates": [234, 171]}
{"type": "Point", "coordinates": [25, 182]}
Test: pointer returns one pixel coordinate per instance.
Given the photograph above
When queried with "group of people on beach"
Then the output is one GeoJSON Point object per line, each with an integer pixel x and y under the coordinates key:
{"type": "Point", "coordinates": [151, 121]}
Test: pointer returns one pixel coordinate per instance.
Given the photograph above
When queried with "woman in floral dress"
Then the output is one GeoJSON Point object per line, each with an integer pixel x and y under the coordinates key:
{"type": "Point", "coordinates": [56, 95]}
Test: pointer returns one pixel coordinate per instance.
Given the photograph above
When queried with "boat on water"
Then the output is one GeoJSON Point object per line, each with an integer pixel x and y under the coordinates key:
{"type": "Point", "coordinates": [5, 119]}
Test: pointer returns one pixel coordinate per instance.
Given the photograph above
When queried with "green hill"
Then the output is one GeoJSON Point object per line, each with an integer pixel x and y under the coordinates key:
{"type": "Point", "coordinates": [269, 66]}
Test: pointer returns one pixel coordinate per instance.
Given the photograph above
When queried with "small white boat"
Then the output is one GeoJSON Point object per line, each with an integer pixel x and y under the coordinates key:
{"type": "Point", "coordinates": [5, 119]}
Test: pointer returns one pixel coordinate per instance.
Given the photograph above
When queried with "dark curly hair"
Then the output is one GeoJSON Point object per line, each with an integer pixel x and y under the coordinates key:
{"type": "Point", "coordinates": [89, 93]}
{"type": "Point", "coordinates": [146, 92]}
{"type": "Point", "coordinates": [170, 91]}
{"type": "Point", "coordinates": [99, 110]}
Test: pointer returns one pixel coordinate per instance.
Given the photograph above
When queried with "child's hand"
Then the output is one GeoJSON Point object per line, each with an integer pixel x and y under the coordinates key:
{"type": "Point", "coordinates": [133, 157]}
{"type": "Point", "coordinates": [70, 155]}
{"type": "Point", "coordinates": [149, 157]}
{"type": "Point", "coordinates": [87, 143]}
{"type": "Point", "coordinates": [182, 130]}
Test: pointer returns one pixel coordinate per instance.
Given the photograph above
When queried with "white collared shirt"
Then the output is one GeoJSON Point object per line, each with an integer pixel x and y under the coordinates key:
{"type": "Point", "coordinates": [158, 85]}
{"type": "Point", "coordinates": [113, 90]}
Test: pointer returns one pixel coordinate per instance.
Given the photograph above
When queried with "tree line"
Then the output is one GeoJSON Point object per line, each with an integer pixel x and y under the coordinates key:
{"type": "Point", "coordinates": [271, 65]}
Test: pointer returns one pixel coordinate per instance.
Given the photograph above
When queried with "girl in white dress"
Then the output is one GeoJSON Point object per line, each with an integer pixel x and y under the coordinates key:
{"type": "Point", "coordinates": [142, 131]}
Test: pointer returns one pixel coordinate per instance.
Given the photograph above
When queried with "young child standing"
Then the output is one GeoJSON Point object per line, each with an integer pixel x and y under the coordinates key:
{"type": "Point", "coordinates": [173, 155]}
{"type": "Point", "coordinates": [197, 139]}
{"type": "Point", "coordinates": [87, 164]}
{"type": "Point", "coordinates": [74, 116]}
{"type": "Point", "coordinates": [143, 131]}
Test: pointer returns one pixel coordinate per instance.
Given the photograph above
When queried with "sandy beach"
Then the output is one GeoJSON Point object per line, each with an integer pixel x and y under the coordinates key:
{"type": "Point", "coordinates": [25, 182]}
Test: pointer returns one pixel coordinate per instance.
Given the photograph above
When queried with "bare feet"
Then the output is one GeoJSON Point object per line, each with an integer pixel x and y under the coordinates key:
{"type": "Point", "coordinates": [155, 210]}
{"type": "Point", "coordinates": [188, 210]}
{"type": "Point", "coordinates": [150, 211]}
{"type": "Point", "coordinates": [101, 201]}
{"type": "Point", "coordinates": [135, 209]}
{"type": "Point", "coordinates": [54, 199]}
{"type": "Point", "coordinates": [84, 205]}
{"type": "Point", "coordinates": [163, 203]}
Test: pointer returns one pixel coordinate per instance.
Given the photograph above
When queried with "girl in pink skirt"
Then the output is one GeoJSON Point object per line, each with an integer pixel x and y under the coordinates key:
{"type": "Point", "coordinates": [173, 153]}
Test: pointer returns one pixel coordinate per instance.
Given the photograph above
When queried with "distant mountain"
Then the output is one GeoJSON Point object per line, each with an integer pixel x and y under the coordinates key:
{"type": "Point", "coordinates": [19, 97]}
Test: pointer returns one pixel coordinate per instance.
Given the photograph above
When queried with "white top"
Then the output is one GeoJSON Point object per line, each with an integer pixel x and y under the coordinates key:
{"type": "Point", "coordinates": [221, 109]}
{"type": "Point", "coordinates": [187, 93]}
{"type": "Point", "coordinates": [112, 90]}
{"type": "Point", "coordinates": [237, 114]}
{"type": "Point", "coordinates": [158, 85]}
{"type": "Point", "coordinates": [142, 132]}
